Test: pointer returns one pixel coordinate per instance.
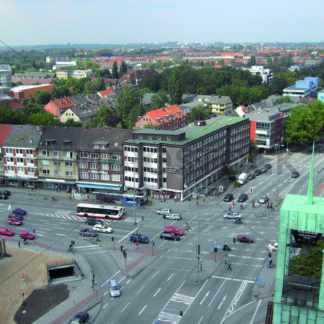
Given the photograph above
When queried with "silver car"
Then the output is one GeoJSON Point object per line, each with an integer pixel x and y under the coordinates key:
{"type": "Point", "coordinates": [234, 215]}
{"type": "Point", "coordinates": [263, 200]}
{"type": "Point", "coordinates": [173, 216]}
{"type": "Point", "coordinates": [114, 288]}
{"type": "Point", "coordinates": [163, 211]}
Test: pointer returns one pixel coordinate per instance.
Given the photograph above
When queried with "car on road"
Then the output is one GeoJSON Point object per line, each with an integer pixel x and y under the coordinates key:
{"type": "Point", "coordinates": [6, 231]}
{"type": "Point", "coordinates": [93, 221]}
{"type": "Point", "coordinates": [244, 239]}
{"type": "Point", "coordinates": [257, 172]}
{"type": "Point", "coordinates": [7, 192]}
{"type": "Point", "coordinates": [243, 197]}
{"type": "Point", "coordinates": [174, 229]}
{"type": "Point", "coordinates": [273, 247]}
{"type": "Point", "coordinates": [237, 221]}
{"type": "Point", "coordinates": [234, 215]}
{"type": "Point", "coordinates": [15, 216]}
{"type": "Point", "coordinates": [173, 216]}
{"type": "Point", "coordinates": [19, 211]}
{"type": "Point", "coordinates": [163, 211]}
{"type": "Point", "coordinates": [263, 169]}
{"type": "Point", "coordinates": [136, 237]}
{"type": "Point", "coordinates": [26, 235]}
{"type": "Point", "coordinates": [88, 232]}
{"type": "Point", "coordinates": [80, 318]}
{"type": "Point", "coordinates": [169, 236]}
{"type": "Point", "coordinates": [3, 195]}
{"type": "Point", "coordinates": [14, 221]}
{"type": "Point", "coordinates": [294, 174]}
{"type": "Point", "coordinates": [102, 228]}
{"type": "Point", "coordinates": [228, 197]}
{"type": "Point", "coordinates": [268, 166]}
{"type": "Point", "coordinates": [251, 176]}
{"type": "Point", "coordinates": [263, 200]}
{"type": "Point", "coordinates": [114, 288]}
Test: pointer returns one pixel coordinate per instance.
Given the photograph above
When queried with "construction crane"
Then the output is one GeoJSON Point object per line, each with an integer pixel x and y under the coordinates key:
{"type": "Point", "coordinates": [7, 45]}
{"type": "Point", "coordinates": [84, 53]}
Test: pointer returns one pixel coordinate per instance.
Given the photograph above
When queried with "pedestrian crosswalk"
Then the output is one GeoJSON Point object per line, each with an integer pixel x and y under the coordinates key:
{"type": "Point", "coordinates": [61, 214]}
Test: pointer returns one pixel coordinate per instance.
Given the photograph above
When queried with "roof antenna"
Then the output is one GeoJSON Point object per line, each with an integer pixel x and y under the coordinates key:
{"type": "Point", "coordinates": [311, 179]}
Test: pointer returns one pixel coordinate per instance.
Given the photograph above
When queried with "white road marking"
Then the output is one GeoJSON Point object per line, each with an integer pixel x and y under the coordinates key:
{"type": "Point", "coordinates": [204, 298]}
{"type": "Point", "coordinates": [221, 303]}
{"type": "Point", "coordinates": [254, 314]}
{"type": "Point", "coordinates": [128, 234]}
{"type": "Point", "coordinates": [140, 290]}
{"type": "Point", "coordinates": [104, 306]}
{"type": "Point", "coordinates": [155, 274]}
{"type": "Point", "coordinates": [216, 294]}
{"type": "Point", "coordinates": [142, 310]}
{"type": "Point", "coordinates": [125, 307]}
{"type": "Point", "coordinates": [157, 292]}
{"type": "Point", "coordinates": [172, 274]}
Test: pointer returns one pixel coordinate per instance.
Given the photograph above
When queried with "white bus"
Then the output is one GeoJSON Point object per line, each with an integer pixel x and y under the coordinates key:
{"type": "Point", "coordinates": [100, 211]}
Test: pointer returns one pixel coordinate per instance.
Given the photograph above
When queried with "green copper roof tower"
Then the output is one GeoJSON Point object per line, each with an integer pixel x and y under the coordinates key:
{"type": "Point", "coordinates": [299, 288]}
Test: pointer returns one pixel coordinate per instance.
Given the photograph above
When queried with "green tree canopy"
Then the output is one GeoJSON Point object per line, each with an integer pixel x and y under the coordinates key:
{"type": "Point", "coordinates": [198, 113]}
{"type": "Point", "coordinates": [115, 70]}
{"type": "Point", "coordinates": [175, 87]}
{"type": "Point", "coordinates": [160, 99]}
{"type": "Point", "coordinates": [102, 116]}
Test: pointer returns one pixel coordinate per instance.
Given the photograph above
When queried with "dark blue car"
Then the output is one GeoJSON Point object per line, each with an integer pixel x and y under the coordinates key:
{"type": "Point", "coordinates": [19, 211]}
{"type": "Point", "coordinates": [80, 318]}
{"type": "Point", "coordinates": [257, 172]}
{"type": "Point", "coordinates": [139, 238]}
{"type": "Point", "coordinates": [16, 216]}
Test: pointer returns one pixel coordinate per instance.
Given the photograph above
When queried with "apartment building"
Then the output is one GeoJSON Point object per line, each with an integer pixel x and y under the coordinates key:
{"type": "Point", "coordinates": [179, 163]}
{"type": "Point", "coordinates": [5, 75]}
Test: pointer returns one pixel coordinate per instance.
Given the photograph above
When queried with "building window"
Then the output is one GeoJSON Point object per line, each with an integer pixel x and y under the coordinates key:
{"type": "Point", "coordinates": [115, 167]}
{"type": "Point", "coordinates": [115, 177]}
{"type": "Point", "coordinates": [45, 153]}
{"type": "Point", "coordinates": [68, 164]}
{"type": "Point", "coordinates": [57, 172]}
{"type": "Point", "coordinates": [9, 150]}
{"type": "Point", "coordinates": [115, 157]}
{"type": "Point", "coordinates": [105, 176]}
{"type": "Point", "coordinates": [57, 163]}
{"type": "Point", "coordinates": [104, 156]}
{"type": "Point", "coordinates": [83, 165]}
{"type": "Point", "coordinates": [94, 166]}
{"type": "Point", "coordinates": [83, 155]}
{"type": "Point", "coordinates": [46, 171]}
{"type": "Point", "coordinates": [83, 175]}
{"type": "Point", "coordinates": [68, 173]}
{"type": "Point", "coordinates": [57, 154]}
{"type": "Point", "coordinates": [94, 176]}
{"type": "Point", "coordinates": [94, 155]}
{"type": "Point", "coordinates": [104, 166]}
{"type": "Point", "coordinates": [69, 155]}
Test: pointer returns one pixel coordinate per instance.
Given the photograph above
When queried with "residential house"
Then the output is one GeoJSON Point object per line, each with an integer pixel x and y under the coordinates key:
{"type": "Point", "coordinates": [4, 132]}
{"type": "Point", "coordinates": [78, 114]}
{"type": "Point", "coordinates": [20, 155]}
{"type": "Point", "coordinates": [219, 105]}
{"type": "Point", "coordinates": [5, 75]}
{"type": "Point", "coordinates": [58, 107]}
{"type": "Point", "coordinates": [179, 163]}
{"type": "Point", "coordinates": [100, 164]}
{"type": "Point", "coordinates": [168, 118]}
{"type": "Point", "coordinates": [58, 157]}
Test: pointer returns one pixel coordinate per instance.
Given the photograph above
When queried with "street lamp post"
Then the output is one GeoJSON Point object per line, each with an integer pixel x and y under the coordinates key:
{"type": "Point", "coordinates": [198, 246]}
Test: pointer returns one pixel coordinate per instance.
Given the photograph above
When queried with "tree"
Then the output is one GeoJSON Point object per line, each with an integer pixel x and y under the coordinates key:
{"type": "Point", "coordinates": [160, 99]}
{"type": "Point", "coordinates": [127, 100]}
{"type": "Point", "coordinates": [102, 116]}
{"type": "Point", "coordinates": [252, 60]}
{"type": "Point", "coordinates": [123, 68]}
{"type": "Point", "coordinates": [175, 87]}
{"type": "Point", "coordinates": [44, 118]}
{"type": "Point", "coordinates": [305, 123]}
{"type": "Point", "coordinates": [137, 111]}
{"type": "Point", "coordinates": [198, 113]}
{"type": "Point", "coordinates": [115, 70]}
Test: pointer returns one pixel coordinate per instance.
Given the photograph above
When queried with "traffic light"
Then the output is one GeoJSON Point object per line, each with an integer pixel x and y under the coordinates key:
{"type": "Point", "coordinates": [112, 238]}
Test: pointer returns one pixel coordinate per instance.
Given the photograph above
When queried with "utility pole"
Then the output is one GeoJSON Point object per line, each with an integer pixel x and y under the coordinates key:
{"type": "Point", "coordinates": [198, 245]}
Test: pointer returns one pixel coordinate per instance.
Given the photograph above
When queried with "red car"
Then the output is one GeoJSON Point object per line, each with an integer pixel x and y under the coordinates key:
{"type": "Point", "coordinates": [14, 221]}
{"type": "Point", "coordinates": [26, 235]}
{"type": "Point", "coordinates": [6, 231]}
{"type": "Point", "coordinates": [174, 230]}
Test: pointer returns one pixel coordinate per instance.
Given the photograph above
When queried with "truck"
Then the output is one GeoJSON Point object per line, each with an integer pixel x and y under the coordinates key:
{"type": "Point", "coordinates": [242, 178]}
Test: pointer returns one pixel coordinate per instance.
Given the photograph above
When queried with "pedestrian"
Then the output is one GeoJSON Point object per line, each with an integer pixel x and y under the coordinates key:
{"type": "Point", "coordinates": [34, 231]}
{"type": "Point", "coordinates": [229, 208]}
{"type": "Point", "coordinates": [229, 267]}
{"type": "Point", "coordinates": [121, 248]}
{"type": "Point", "coordinates": [234, 239]}
{"type": "Point", "coordinates": [200, 267]}
{"type": "Point", "coordinates": [270, 262]}
{"type": "Point", "coordinates": [225, 261]}
{"type": "Point", "coordinates": [233, 204]}
{"type": "Point", "coordinates": [19, 244]}
{"type": "Point", "coordinates": [269, 255]}
{"type": "Point", "coordinates": [253, 204]}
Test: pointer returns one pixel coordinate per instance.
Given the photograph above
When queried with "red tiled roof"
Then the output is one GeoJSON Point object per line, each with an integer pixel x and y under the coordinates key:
{"type": "Point", "coordinates": [64, 103]}
{"type": "Point", "coordinates": [107, 92]}
{"type": "Point", "coordinates": [14, 105]}
{"type": "Point", "coordinates": [4, 132]}
{"type": "Point", "coordinates": [162, 112]}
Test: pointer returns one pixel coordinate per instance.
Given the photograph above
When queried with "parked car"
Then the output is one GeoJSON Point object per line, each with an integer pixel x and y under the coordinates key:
{"type": "Point", "coordinates": [226, 247]}
{"type": "Point", "coordinates": [263, 169]}
{"type": "Point", "coordinates": [294, 174]}
{"type": "Point", "coordinates": [173, 229]}
{"type": "Point", "coordinates": [93, 221]}
{"type": "Point", "coordinates": [163, 211]}
{"type": "Point", "coordinates": [233, 215]}
{"type": "Point", "coordinates": [7, 192]}
{"type": "Point", "coordinates": [80, 318]}
{"type": "Point", "coordinates": [114, 288]}
{"type": "Point", "coordinates": [14, 221]}
{"type": "Point", "coordinates": [268, 166]}
{"type": "Point", "coordinates": [19, 211]}
{"type": "Point", "coordinates": [251, 176]}
{"type": "Point", "coordinates": [102, 228]}
{"type": "Point", "coordinates": [244, 239]}
{"type": "Point", "coordinates": [273, 247]}
{"type": "Point", "coordinates": [15, 216]}
{"type": "Point", "coordinates": [26, 235]}
{"type": "Point", "coordinates": [243, 197]}
{"type": "Point", "coordinates": [263, 200]}
{"type": "Point", "coordinates": [6, 231]}
{"type": "Point", "coordinates": [173, 216]}
{"type": "Point", "coordinates": [88, 232]}
{"type": "Point", "coordinates": [169, 236]}
{"type": "Point", "coordinates": [228, 197]}
{"type": "Point", "coordinates": [257, 172]}
{"type": "Point", "coordinates": [136, 237]}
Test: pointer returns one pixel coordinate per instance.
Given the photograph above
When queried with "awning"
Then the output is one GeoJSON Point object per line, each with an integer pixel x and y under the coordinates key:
{"type": "Point", "coordinates": [93, 186]}
{"type": "Point", "coordinates": [57, 181]}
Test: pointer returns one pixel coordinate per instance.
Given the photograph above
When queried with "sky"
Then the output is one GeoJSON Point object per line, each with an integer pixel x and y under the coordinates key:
{"type": "Point", "coordinates": [38, 22]}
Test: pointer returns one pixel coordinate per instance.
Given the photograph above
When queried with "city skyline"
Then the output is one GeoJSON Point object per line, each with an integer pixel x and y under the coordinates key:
{"type": "Point", "coordinates": [37, 22]}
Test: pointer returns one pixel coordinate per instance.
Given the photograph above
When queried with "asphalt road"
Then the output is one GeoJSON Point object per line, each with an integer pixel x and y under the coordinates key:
{"type": "Point", "coordinates": [161, 291]}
